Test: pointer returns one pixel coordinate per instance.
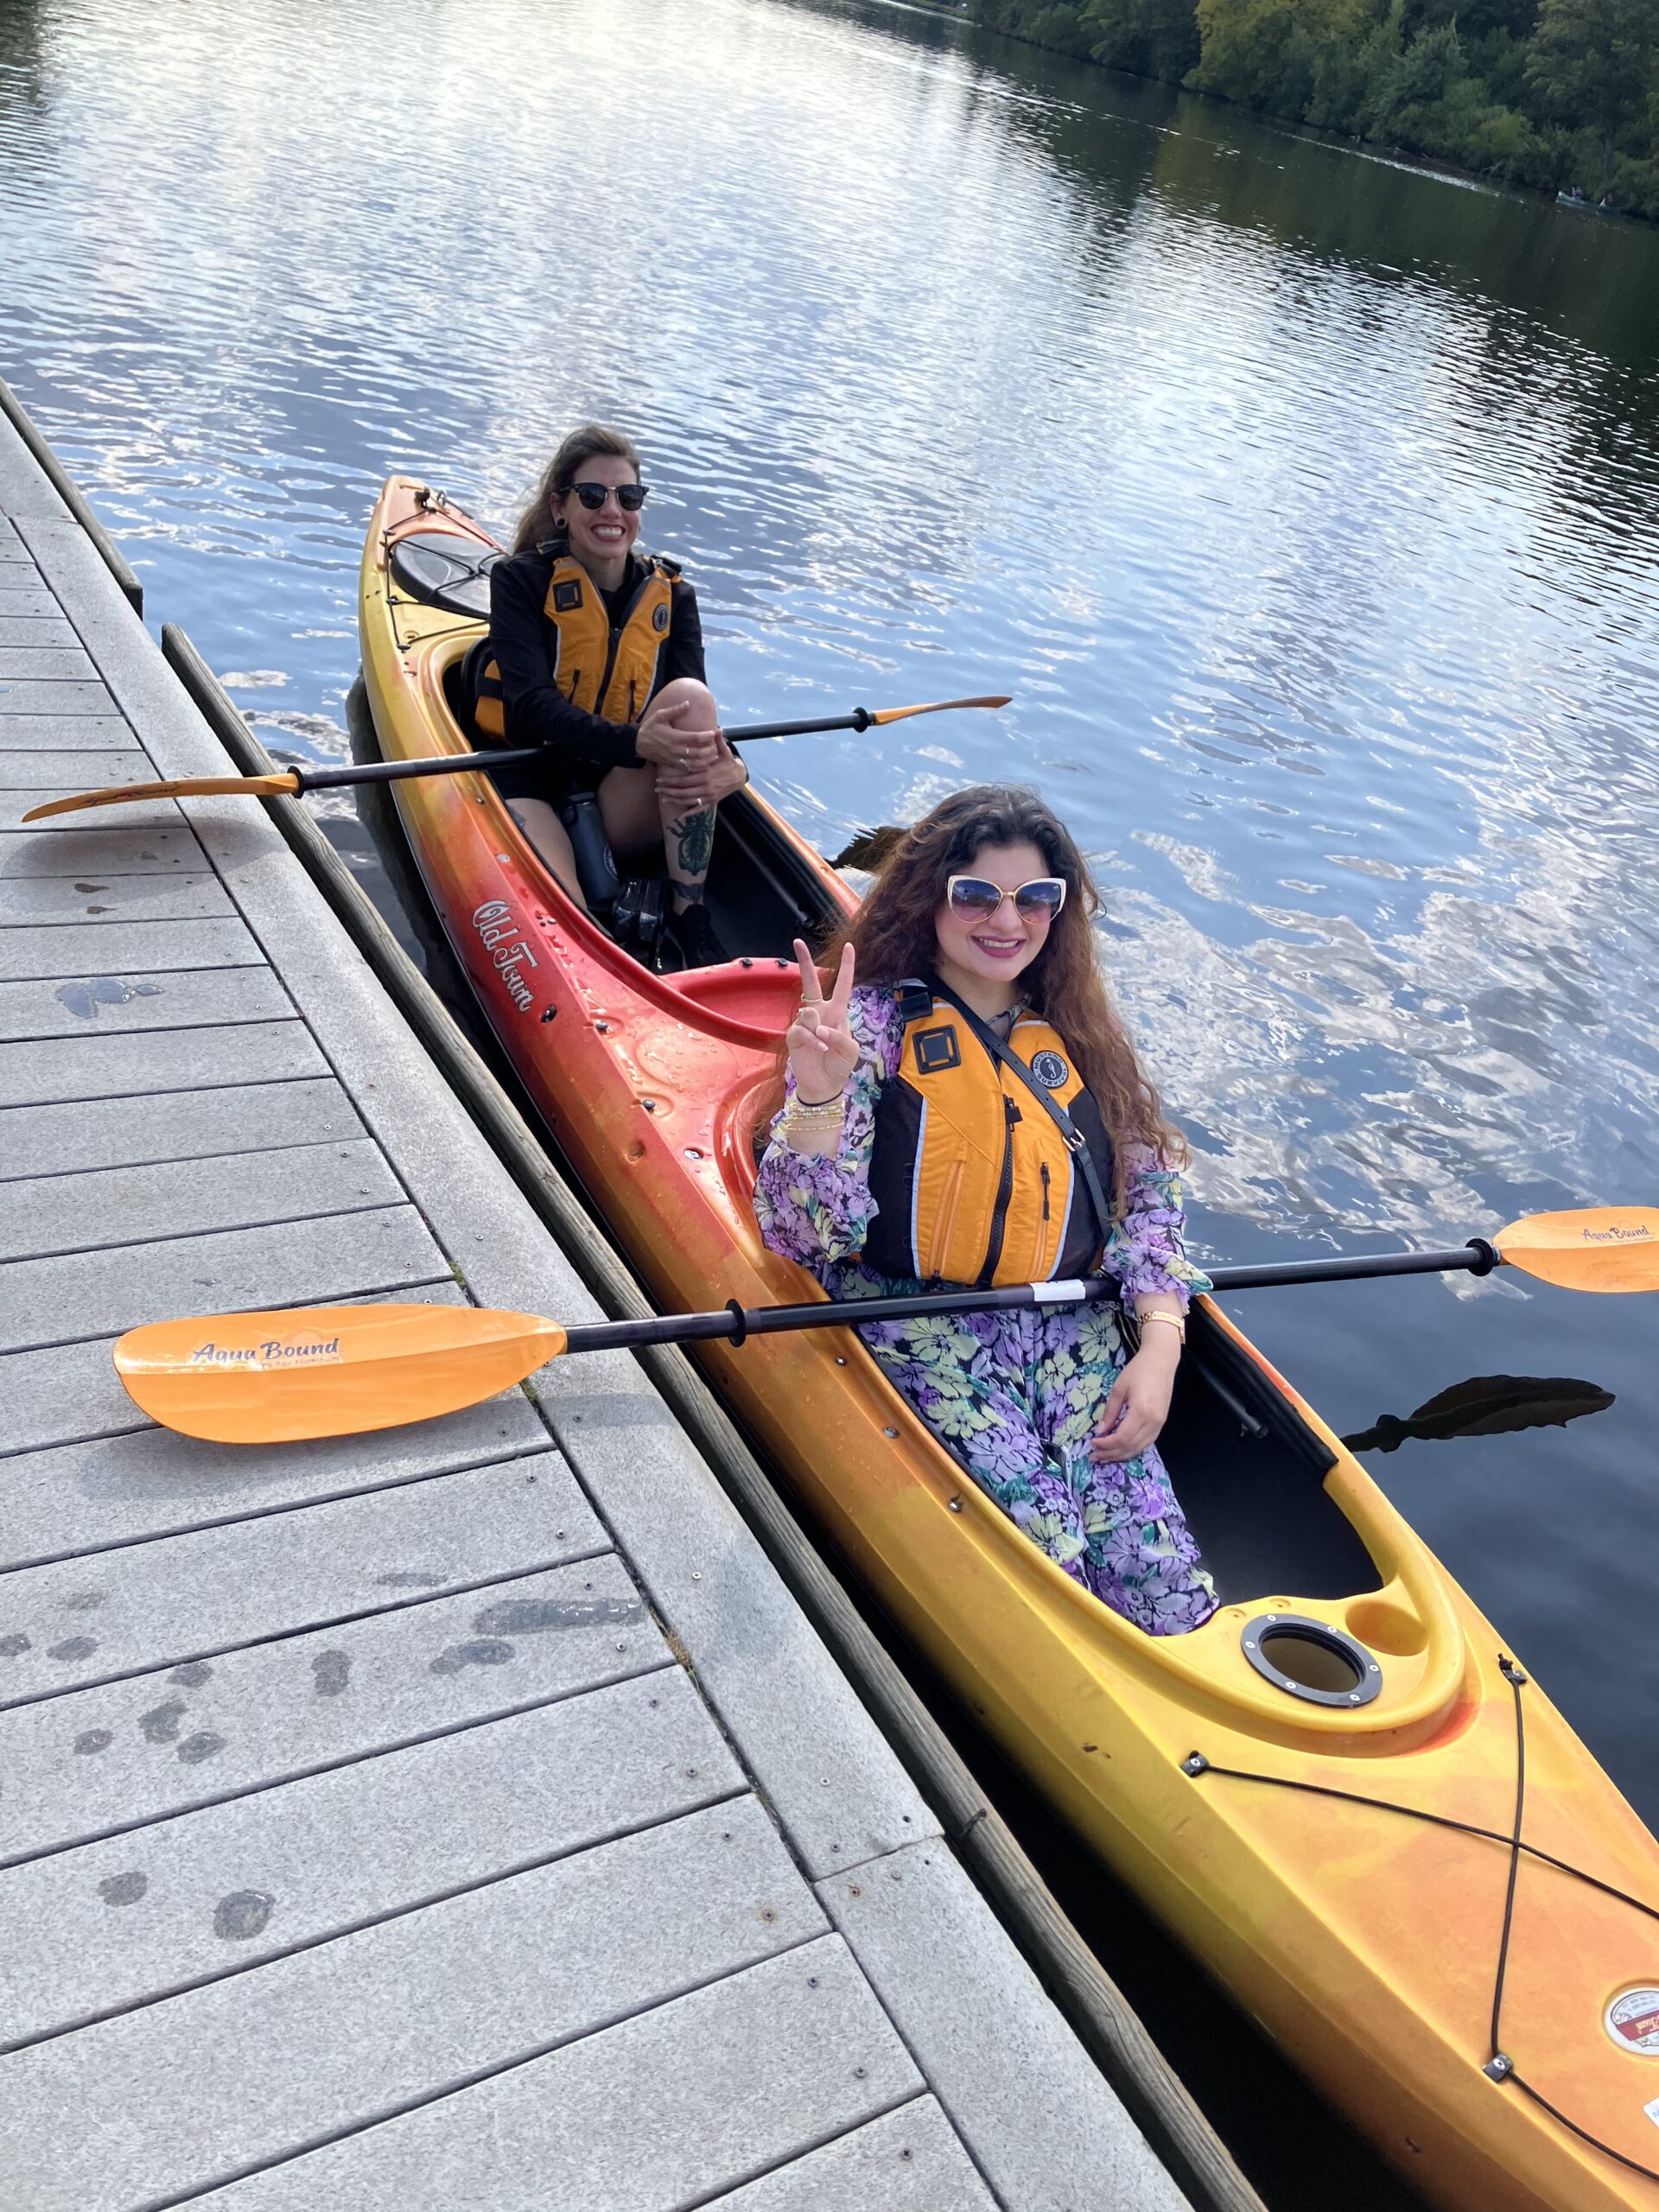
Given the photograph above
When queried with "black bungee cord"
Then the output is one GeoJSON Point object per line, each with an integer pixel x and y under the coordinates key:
{"type": "Point", "coordinates": [1500, 2067]}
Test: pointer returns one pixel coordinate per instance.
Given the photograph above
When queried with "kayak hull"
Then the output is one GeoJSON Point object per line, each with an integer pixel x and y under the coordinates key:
{"type": "Point", "coordinates": [1363, 1940]}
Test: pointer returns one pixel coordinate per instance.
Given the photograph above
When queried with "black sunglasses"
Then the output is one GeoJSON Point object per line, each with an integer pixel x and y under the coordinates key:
{"type": "Point", "coordinates": [976, 896]}
{"type": "Point", "coordinates": [629, 497]}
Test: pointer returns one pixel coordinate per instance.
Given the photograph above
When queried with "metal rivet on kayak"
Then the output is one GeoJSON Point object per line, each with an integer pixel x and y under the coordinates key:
{"type": "Point", "coordinates": [889, 1432]}
{"type": "Point", "coordinates": [783, 963]}
{"type": "Point", "coordinates": [603, 1027]}
{"type": "Point", "coordinates": [691, 1153]}
{"type": "Point", "coordinates": [1499, 2066]}
{"type": "Point", "coordinates": [955, 1502]}
{"type": "Point", "coordinates": [745, 963]}
{"type": "Point", "coordinates": [1195, 1763]}
{"type": "Point", "coordinates": [696, 1574]}
{"type": "Point", "coordinates": [649, 1105]}
{"type": "Point", "coordinates": [840, 1359]}
{"type": "Point", "coordinates": [1249, 1643]}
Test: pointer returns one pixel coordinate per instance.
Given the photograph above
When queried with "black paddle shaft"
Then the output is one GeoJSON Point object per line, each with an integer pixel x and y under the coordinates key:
{"type": "Point", "coordinates": [1476, 1257]}
{"type": "Point", "coordinates": [734, 1322]}
{"type": "Point", "coordinates": [460, 764]}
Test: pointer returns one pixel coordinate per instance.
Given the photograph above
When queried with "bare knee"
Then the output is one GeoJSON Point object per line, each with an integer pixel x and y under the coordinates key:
{"type": "Point", "coordinates": [685, 704]}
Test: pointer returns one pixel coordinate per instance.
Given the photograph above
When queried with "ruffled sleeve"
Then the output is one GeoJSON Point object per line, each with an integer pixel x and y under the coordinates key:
{"type": "Point", "coordinates": [818, 1208]}
{"type": "Point", "coordinates": [1147, 1248]}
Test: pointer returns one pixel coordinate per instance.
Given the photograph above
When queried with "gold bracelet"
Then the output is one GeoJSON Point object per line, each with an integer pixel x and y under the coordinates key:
{"type": "Point", "coordinates": [1174, 1320]}
{"type": "Point", "coordinates": [815, 1120]}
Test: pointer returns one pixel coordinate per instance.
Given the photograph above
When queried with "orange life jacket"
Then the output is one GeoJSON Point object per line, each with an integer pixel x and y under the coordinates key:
{"type": "Point", "coordinates": [975, 1180]}
{"type": "Point", "coordinates": [605, 669]}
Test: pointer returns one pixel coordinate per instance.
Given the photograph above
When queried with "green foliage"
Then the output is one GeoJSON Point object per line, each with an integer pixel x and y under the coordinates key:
{"type": "Point", "coordinates": [1149, 38]}
{"type": "Point", "coordinates": [1552, 93]}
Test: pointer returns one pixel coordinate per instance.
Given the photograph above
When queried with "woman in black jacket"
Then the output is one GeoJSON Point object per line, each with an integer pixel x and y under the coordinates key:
{"type": "Point", "coordinates": [595, 653]}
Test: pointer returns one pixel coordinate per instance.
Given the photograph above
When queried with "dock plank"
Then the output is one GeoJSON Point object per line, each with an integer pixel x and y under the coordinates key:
{"type": "Point", "coordinates": [659, 2112]}
{"type": "Point", "coordinates": [907, 2161]}
{"type": "Point", "coordinates": [82, 1621]}
{"type": "Point", "coordinates": [56, 664]}
{"type": "Point", "coordinates": [91, 1932]}
{"type": "Point", "coordinates": [49, 771]}
{"type": "Point", "coordinates": [28, 695]}
{"type": "Point", "coordinates": [183, 999]}
{"type": "Point", "coordinates": [32, 598]}
{"type": "Point", "coordinates": [63, 951]}
{"type": "Point", "coordinates": [41, 1215]}
{"type": "Point", "coordinates": [100, 1133]}
{"type": "Point", "coordinates": [28, 902]}
{"type": "Point", "coordinates": [290, 1263]}
{"type": "Point", "coordinates": [157, 2104]}
{"type": "Point", "coordinates": [18, 629]}
{"type": "Point", "coordinates": [71, 733]}
{"type": "Point", "coordinates": [129, 851]}
{"type": "Point", "coordinates": [82, 1497]}
{"type": "Point", "coordinates": [96, 1761]}
{"type": "Point", "coordinates": [60, 1070]}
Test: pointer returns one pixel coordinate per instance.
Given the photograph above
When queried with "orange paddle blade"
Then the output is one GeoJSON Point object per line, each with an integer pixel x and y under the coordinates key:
{"type": "Point", "coordinates": [327, 1371]}
{"type": "Point", "coordinates": [180, 787]}
{"type": "Point", "coordinates": [937, 707]}
{"type": "Point", "coordinates": [1594, 1247]}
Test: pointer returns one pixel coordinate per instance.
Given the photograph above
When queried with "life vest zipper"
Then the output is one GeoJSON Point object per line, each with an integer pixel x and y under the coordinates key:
{"type": "Point", "coordinates": [1004, 1193]}
{"type": "Point", "coordinates": [617, 628]}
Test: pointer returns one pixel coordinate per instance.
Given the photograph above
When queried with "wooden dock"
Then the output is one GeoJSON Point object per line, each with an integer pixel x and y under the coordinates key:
{"type": "Point", "coordinates": [460, 1817]}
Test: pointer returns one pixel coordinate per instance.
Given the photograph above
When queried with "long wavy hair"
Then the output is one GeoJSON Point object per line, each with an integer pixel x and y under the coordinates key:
{"type": "Point", "coordinates": [893, 936]}
{"type": "Point", "coordinates": [536, 525]}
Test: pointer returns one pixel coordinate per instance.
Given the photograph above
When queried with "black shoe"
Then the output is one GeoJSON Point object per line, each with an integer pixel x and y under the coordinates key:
{"type": "Point", "coordinates": [695, 934]}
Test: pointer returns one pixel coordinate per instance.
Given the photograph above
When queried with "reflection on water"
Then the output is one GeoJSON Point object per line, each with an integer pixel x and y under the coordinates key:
{"type": "Point", "coordinates": [1309, 505]}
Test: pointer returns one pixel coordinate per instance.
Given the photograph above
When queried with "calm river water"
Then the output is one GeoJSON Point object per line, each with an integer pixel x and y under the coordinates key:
{"type": "Point", "coordinates": [1308, 503]}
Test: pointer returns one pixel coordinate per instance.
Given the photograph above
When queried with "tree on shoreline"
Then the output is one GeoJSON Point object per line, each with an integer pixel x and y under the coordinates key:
{"type": "Point", "coordinates": [1592, 61]}
{"type": "Point", "coordinates": [1547, 93]}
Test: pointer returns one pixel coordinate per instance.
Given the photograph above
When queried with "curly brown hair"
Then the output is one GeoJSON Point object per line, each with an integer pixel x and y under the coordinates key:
{"type": "Point", "coordinates": [536, 525]}
{"type": "Point", "coordinates": [893, 936]}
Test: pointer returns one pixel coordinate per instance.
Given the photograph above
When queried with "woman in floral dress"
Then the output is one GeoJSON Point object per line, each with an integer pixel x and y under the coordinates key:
{"type": "Point", "coordinates": [987, 903]}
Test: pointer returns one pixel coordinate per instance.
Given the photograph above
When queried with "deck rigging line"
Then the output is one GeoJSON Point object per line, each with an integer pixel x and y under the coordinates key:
{"type": "Point", "coordinates": [1500, 2067]}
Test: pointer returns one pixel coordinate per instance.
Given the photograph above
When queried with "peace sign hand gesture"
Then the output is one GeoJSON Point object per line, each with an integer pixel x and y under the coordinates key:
{"type": "Point", "coordinates": [823, 1050]}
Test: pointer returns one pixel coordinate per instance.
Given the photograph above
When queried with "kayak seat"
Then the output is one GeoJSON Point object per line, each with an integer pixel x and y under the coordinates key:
{"type": "Point", "coordinates": [1256, 1504]}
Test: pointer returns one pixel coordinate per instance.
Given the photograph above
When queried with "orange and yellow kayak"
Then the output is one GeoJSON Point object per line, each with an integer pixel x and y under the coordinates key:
{"type": "Point", "coordinates": [1317, 1791]}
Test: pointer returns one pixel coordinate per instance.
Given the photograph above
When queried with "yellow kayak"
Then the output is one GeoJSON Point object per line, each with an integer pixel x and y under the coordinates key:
{"type": "Point", "coordinates": [1317, 1791]}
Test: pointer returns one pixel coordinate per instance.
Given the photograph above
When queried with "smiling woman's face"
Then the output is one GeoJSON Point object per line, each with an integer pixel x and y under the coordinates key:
{"type": "Point", "coordinates": [599, 539]}
{"type": "Point", "coordinates": [1000, 946]}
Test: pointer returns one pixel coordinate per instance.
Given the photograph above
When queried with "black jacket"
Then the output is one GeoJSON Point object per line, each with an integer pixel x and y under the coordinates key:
{"type": "Point", "coordinates": [536, 711]}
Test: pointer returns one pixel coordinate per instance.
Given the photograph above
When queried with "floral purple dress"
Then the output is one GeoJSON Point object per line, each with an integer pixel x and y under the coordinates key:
{"type": "Point", "coordinates": [1015, 1396]}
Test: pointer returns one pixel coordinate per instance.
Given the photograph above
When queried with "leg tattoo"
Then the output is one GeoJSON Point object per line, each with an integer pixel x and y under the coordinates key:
{"type": "Point", "coordinates": [694, 845]}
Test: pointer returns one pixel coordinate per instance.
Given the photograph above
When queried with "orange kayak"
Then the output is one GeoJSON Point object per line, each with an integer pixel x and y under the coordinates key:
{"type": "Point", "coordinates": [1317, 1791]}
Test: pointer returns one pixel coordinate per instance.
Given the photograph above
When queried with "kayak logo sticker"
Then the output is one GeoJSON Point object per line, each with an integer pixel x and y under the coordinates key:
{"type": "Point", "coordinates": [1050, 1069]}
{"type": "Point", "coordinates": [509, 953]}
{"type": "Point", "coordinates": [1632, 2021]}
{"type": "Point", "coordinates": [273, 1352]}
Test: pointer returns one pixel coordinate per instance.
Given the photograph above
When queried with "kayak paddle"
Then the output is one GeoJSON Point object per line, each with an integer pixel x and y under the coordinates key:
{"type": "Point", "coordinates": [292, 781]}
{"type": "Point", "coordinates": [336, 1371]}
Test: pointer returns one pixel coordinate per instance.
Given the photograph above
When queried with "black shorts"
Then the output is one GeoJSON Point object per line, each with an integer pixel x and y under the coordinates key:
{"type": "Point", "coordinates": [549, 778]}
